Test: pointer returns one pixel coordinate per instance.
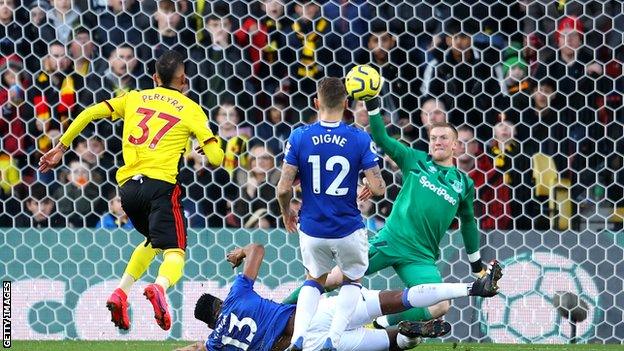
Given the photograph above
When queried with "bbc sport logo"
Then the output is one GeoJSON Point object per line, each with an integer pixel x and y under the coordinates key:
{"type": "Point", "coordinates": [6, 314]}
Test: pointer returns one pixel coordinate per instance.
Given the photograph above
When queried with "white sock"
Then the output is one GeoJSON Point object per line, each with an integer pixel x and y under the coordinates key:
{"type": "Point", "coordinates": [347, 301]}
{"type": "Point", "coordinates": [162, 281]}
{"type": "Point", "coordinates": [424, 295]}
{"type": "Point", "coordinates": [383, 321]}
{"type": "Point", "coordinates": [405, 343]}
{"type": "Point", "coordinates": [373, 340]}
{"type": "Point", "coordinates": [307, 303]}
{"type": "Point", "coordinates": [125, 283]}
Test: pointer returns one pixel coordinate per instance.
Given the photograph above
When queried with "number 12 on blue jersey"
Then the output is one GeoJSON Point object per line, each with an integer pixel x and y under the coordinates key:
{"type": "Point", "coordinates": [334, 188]}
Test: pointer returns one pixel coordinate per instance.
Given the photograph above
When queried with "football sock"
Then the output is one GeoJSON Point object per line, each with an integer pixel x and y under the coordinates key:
{"type": "Point", "coordinates": [405, 343]}
{"type": "Point", "coordinates": [426, 295]}
{"type": "Point", "coordinates": [347, 300]}
{"type": "Point", "coordinates": [126, 282]}
{"type": "Point", "coordinates": [307, 303]}
{"type": "Point", "coordinates": [429, 294]}
{"type": "Point", "coordinates": [374, 339]}
{"type": "Point", "coordinates": [137, 265]}
{"type": "Point", "coordinates": [171, 269]}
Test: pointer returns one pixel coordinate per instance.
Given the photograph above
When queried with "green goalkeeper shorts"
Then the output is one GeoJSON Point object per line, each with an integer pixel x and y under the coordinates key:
{"type": "Point", "coordinates": [411, 271]}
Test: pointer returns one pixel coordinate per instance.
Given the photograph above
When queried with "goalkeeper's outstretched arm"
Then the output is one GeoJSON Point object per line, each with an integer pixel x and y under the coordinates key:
{"type": "Point", "coordinates": [391, 146]}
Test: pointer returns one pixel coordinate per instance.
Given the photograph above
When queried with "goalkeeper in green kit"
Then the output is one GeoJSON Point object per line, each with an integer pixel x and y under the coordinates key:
{"type": "Point", "coordinates": [433, 193]}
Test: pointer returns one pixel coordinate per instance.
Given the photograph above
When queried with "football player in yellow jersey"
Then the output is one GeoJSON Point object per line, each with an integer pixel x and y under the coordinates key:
{"type": "Point", "coordinates": [157, 125]}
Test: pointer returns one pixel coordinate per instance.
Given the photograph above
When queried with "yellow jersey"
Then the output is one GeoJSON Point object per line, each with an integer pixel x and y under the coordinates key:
{"type": "Point", "coordinates": [156, 128]}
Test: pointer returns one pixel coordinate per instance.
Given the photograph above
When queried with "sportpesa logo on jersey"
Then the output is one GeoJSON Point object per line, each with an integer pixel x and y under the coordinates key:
{"type": "Point", "coordinates": [438, 190]}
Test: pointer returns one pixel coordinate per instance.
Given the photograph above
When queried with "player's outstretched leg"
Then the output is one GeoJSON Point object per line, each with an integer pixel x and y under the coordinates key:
{"type": "Point", "coordinates": [429, 329]}
{"type": "Point", "coordinates": [169, 273]}
{"type": "Point", "coordinates": [117, 304]}
{"type": "Point", "coordinates": [487, 286]}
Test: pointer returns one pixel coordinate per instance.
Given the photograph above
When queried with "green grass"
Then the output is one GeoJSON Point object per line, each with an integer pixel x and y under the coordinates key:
{"type": "Point", "coordinates": [171, 345]}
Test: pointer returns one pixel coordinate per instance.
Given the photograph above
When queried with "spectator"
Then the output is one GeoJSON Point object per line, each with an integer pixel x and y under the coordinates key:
{"type": "Point", "coordinates": [10, 30]}
{"type": "Point", "coordinates": [38, 33]}
{"type": "Point", "coordinates": [170, 31]}
{"type": "Point", "coordinates": [84, 53]}
{"type": "Point", "coordinates": [462, 81]}
{"type": "Point", "coordinates": [116, 217]}
{"type": "Point", "coordinates": [547, 134]}
{"type": "Point", "coordinates": [307, 37]}
{"type": "Point", "coordinates": [222, 70]}
{"type": "Point", "coordinates": [274, 131]}
{"type": "Point", "coordinates": [54, 94]}
{"type": "Point", "coordinates": [9, 175]}
{"type": "Point", "coordinates": [125, 73]}
{"type": "Point", "coordinates": [350, 20]}
{"type": "Point", "coordinates": [470, 159]}
{"type": "Point", "coordinates": [39, 214]}
{"type": "Point", "coordinates": [431, 111]}
{"type": "Point", "coordinates": [64, 18]}
{"type": "Point", "coordinates": [258, 186]}
{"type": "Point", "coordinates": [123, 23]}
{"type": "Point", "coordinates": [511, 176]}
{"type": "Point", "coordinates": [314, 51]}
{"type": "Point", "coordinates": [516, 82]}
{"type": "Point", "coordinates": [264, 44]}
{"type": "Point", "coordinates": [397, 68]}
{"type": "Point", "coordinates": [572, 65]}
{"type": "Point", "coordinates": [15, 111]}
{"type": "Point", "coordinates": [93, 154]}
{"type": "Point", "coordinates": [79, 198]}
{"type": "Point", "coordinates": [233, 138]}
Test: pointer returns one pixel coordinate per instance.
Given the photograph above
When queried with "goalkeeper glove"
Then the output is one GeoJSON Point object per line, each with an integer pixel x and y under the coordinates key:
{"type": "Point", "coordinates": [479, 269]}
{"type": "Point", "coordinates": [373, 104]}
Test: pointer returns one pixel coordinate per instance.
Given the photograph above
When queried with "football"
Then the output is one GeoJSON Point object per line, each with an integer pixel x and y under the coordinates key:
{"type": "Point", "coordinates": [363, 82]}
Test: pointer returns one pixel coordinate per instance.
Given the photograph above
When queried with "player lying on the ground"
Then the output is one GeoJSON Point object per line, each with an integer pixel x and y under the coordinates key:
{"type": "Point", "coordinates": [247, 321]}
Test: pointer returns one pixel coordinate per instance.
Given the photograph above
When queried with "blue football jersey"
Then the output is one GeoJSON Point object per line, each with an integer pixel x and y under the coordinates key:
{"type": "Point", "coordinates": [248, 321]}
{"type": "Point", "coordinates": [329, 157]}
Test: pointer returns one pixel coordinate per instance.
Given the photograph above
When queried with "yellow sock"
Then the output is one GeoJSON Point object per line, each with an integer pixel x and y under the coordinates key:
{"type": "Point", "coordinates": [140, 260]}
{"type": "Point", "coordinates": [171, 269]}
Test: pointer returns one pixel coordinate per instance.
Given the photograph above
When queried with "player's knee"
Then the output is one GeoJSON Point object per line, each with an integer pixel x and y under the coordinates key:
{"type": "Point", "coordinates": [439, 309]}
{"type": "Point", "coordinates": [334, 279]}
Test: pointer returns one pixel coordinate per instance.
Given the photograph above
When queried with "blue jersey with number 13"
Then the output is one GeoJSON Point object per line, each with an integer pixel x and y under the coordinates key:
{"type": "Point", "coordinates": [329, 157]}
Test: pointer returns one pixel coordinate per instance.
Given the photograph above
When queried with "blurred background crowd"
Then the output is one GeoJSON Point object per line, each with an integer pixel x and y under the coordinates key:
{"type": "Point", "coordinates": [534, 87]}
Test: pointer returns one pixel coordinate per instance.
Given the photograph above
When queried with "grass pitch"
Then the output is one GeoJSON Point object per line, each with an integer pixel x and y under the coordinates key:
{"type": "Point", "coordinates": [172, 345]}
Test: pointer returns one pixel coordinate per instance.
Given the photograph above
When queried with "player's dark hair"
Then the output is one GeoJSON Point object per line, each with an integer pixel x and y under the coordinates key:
{"type": "Point", "coordinates": [167, 64]}
{"type": "Point", "coordinates": [332, 92]}
{"type": "Point", "coordinates": [444, 125]}
{"type": "Point", "coordinates": [207, 309]}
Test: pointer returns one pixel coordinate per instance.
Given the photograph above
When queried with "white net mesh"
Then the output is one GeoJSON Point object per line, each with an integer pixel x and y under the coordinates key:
{"type": "Point", "coordinates": [534, 87]}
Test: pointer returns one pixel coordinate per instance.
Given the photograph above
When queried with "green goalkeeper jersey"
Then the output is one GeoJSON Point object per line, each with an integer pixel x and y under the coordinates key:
{"type": "Point", "coordinates": [431, 196]}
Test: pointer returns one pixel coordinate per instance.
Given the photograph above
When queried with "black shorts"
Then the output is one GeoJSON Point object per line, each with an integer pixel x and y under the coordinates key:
{"type": "Point", "coordinates": [155, 209]}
